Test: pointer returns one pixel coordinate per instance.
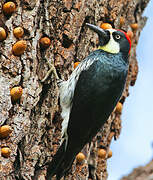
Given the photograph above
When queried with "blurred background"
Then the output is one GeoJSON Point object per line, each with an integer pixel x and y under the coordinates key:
{"type": "Point", "coordinates": [134, 147]}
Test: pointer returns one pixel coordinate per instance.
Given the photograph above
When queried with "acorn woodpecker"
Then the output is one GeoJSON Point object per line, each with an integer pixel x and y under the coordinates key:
{"type": "Point", "coordinates": [89, 96]}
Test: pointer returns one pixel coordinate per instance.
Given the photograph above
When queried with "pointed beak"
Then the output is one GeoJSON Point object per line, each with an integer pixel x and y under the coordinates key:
{"type": "Point", "coordinates": [103, 35]}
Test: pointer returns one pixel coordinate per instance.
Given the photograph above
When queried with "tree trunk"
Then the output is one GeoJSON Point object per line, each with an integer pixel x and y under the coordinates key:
{"type": "Point", "coordinates": [141, 173]}
{"type": "Point", "coordinates": [35, 119]}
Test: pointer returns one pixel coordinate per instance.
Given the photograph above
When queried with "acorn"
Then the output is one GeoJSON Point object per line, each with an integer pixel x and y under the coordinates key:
{"type": "Point", "coordinates": [102, 153]}
{"type": "Point", "coordinates": [130, 34]}
{"type": "Point", "coordinates": [5, 151]}
{"type": "Point", "coordinates": [9, 8]}
{"type": "Point", "coordinates": [119, 107]}
{"type": "Point", "coordinates": [122, 21]}
{"type": "Point", "coordinates": [19, 47]}
{"type": "Point", "coordinates": [45, 42]}
{"type": "Point", "coordinates": [18, 32]}
{"type": "Point", "coordinates": [2, 34]}
{"type": "Point", "coordinates": [110, 154]}
{"type": "Point", "coordinates": [76, 64]}
{"type": "Point", "coordinates": [5, 131]}
{"type": "Point", "coordinates": [106, 26]}
{"type": "Point", "coordinates": [16, 93]}
{"type": "Point", "coordinates": [134, 26]}
{"type": "Point", "coordinates": [80, 157]}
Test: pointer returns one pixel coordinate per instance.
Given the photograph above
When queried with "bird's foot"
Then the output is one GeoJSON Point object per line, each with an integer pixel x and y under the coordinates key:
{"type": "Point", "coordinates": [52, 69]}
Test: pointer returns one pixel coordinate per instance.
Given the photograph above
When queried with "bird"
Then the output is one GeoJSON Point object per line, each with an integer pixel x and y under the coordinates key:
{"type": "Point", "coordinates": [90, 95]}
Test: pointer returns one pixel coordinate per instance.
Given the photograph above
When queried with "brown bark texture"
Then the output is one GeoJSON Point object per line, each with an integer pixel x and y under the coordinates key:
{"type": "Point", "coordinates": [141, 173]}
{"type": "Point", "coordinates": [35, 118]}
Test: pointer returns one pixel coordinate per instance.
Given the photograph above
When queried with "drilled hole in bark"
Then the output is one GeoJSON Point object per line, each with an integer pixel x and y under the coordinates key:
{"type": "Point", "coordinates": [107, 20]}
{"type": "Point", "coordinates": [66, 41]}
{"type": "Point", "coordinates": [56, 118]}
{"type": "Point", "coordinates": [66, 10]}
{"type": "Point", "coordinates": [91, 169]}
{"type": "Point", "coordinates": [11, 1]}
{"type": "Point", "coordinates": [26, 32]}
{"type": "Point", "coordinates": [16, 163]}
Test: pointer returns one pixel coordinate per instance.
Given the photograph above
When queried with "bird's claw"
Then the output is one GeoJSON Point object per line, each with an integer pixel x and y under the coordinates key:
{"type": "Point", "coordinates": [52, 69]}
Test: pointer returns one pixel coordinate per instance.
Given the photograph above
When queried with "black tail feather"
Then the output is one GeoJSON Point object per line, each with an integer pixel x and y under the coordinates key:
{"type": "Point", "coordinates": [56, 162]}
{"type": "Point", "coordinates": [61, 162]}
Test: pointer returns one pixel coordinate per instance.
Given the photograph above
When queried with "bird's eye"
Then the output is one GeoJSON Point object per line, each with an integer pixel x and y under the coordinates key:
{"type": "Point", "coordinates": [117, 36]}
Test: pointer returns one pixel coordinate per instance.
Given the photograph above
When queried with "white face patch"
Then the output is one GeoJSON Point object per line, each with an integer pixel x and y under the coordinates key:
{"type": "Point", "coordinates": [112, 46]}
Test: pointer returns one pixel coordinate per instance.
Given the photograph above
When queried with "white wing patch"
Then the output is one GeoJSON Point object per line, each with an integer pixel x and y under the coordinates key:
{"type": "Point", "coordinates": [67, 92]}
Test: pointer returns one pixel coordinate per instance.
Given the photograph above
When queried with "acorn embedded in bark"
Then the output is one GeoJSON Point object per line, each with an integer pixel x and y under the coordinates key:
{"type": "Point", "coordinates": [134, 26]}
{"type": "Point", "coordinates": [110, 153]}
{"type": "Point", "coordinates": [130, 34]}
{"type": "Point", "coordinates": [122, 21]}
{"type": "Point", "coordinates": [19, 47]}
{"type": "Point", "coordinates": [80, 157]}
{"type": "Point", "coordinates": [9, 8]}
{"type": "Point", "coordinates": [45, 42]}
{"type": "Point", "coordinates": [2, 34]}
{"type": "Point", "coordinates": [76, 64]}
{"type": "Point", "coordinates": [5, 131]}
{"type": "Point", "coordinates": [18, 32]}
{"type": "Point", "coordinates": [5, 151]}
{"type": "Point", "coordinates": [119, 107]}
{"type": "Point", "coordinates": [106, 26]}
{"type": "Point", "coordinates": [102, 153]}
{"type": "Point", "coordinates": [16, 93]}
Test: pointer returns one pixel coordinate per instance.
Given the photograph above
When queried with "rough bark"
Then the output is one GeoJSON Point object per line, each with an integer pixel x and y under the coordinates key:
{"type": "Point", "coordinates": [35, 119]}
{"type": "Point", "coordinates": [141, 173]}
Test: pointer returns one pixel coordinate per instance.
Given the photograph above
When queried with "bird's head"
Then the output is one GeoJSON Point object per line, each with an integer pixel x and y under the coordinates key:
{"type": "Point", "coordinates": [112, 40]}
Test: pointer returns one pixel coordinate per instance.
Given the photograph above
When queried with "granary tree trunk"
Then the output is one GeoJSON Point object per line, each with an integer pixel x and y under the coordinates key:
{"type": "Point", "coordinates": [141, 173]}
{"type": "Point", "coordinates": [35, 118]}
